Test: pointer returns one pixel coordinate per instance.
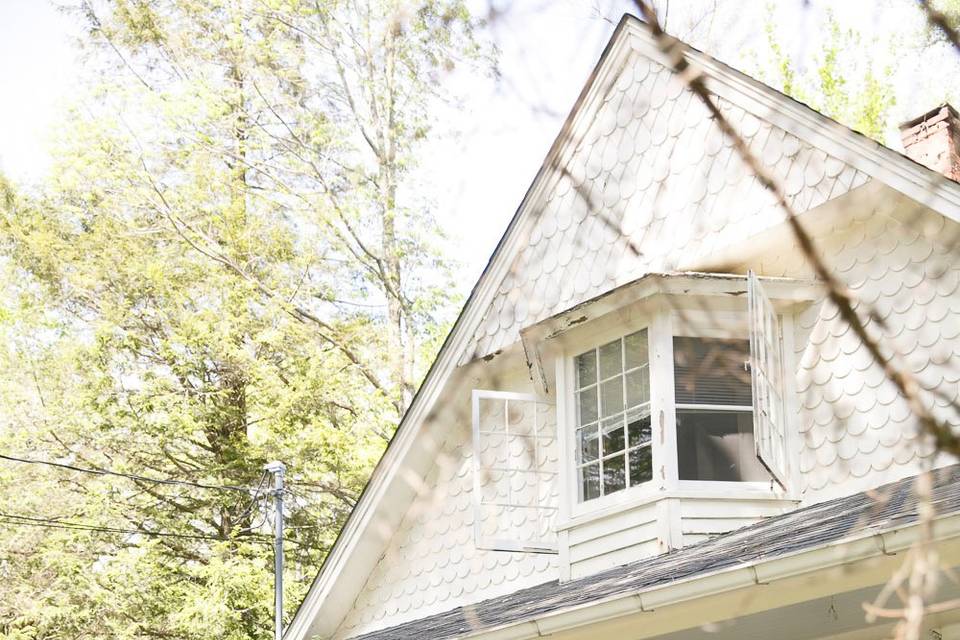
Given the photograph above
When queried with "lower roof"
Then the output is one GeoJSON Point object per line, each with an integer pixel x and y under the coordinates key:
{"type": "Point", "coordinates": [888, 507]}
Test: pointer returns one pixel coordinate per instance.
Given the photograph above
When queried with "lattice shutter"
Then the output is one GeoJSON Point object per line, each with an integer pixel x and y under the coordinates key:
{"type": "Point", "coordinates": [766, 373]}
{"type": "Point", "coordinates": [516, 492]}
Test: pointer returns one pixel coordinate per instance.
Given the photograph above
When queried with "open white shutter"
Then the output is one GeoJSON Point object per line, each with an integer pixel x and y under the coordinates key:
{"type": "Point", "coordinates": [766, 373]}
{"type": "Point", "coordinates": [515, 484]}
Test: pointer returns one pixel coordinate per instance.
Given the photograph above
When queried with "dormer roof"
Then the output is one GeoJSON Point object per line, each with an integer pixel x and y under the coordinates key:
{"type": "Point", "coordinates": [621, 149]}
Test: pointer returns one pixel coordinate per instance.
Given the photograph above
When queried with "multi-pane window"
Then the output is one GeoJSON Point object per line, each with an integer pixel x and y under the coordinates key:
{"type": "Point", "coordinates": [714, 400]}
{"type": "Point", "coordinates": [515, 470]}
{"type": "Point", "coordinates": [613, 416]}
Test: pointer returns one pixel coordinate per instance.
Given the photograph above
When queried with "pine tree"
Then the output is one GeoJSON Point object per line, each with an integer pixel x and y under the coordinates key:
{"type": "Point", "coordinates": [224, 268]}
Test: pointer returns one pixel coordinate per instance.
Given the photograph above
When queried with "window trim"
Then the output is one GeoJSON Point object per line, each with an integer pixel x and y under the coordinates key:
{"type": "Point", "coordinates": [570, 504]}
{"type": "Point", "coordinates": [659, 320]}
{"type": "Point", "coordinates": [628, 450]}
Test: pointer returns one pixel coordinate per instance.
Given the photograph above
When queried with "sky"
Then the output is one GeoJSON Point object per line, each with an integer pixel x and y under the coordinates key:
{"type": "Point", "coordinates": [37, 66]}
{"type": "Point", "coordinates": [492, 142]}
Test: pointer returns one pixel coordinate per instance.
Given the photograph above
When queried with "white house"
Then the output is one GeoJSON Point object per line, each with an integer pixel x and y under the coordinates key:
{"type": "Point", "coordinates": [648, 422]}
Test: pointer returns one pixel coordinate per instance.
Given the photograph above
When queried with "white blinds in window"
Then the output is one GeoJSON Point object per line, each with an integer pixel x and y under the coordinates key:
{"type": "Point", "coordinates": [515, 464]}
{"type": "Point", "coordinates": [711, 371]}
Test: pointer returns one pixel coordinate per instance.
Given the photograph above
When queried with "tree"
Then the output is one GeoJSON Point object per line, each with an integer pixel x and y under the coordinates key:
{"type": "Point", "coordinates": [838, 84]}
{"type": "Point", "coordinates": [211, 278]}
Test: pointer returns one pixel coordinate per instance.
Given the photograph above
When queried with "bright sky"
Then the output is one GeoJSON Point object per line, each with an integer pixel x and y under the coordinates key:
{"type": "Point", "coordinates": [548, 48]}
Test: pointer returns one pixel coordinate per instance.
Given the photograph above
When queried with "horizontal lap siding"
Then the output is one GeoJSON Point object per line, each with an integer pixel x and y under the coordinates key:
{"type": "Point", "coordinates": [701, 519]}
{"type": "Point", "coordinates": [613, 540]}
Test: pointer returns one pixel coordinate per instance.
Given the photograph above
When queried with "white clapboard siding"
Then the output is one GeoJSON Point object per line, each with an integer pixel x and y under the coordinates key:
{"type": "Point", "coordinates": [611, 540]}
{"type": "Point", "coordinates": [703, 518]}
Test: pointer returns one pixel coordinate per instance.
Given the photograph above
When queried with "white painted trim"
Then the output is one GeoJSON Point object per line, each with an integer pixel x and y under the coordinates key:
{"type": "Point", "coordinates": [566, 416]}
{"type": "Point", "coordinates": [681, 286]}
{"type": "Point", "coordinates": [791, 406]}
{"type": "Point", "coordinates": [661, 396]}
{"type": "Point", "coordinates": [719, 489]}
{"type": "Point", "coordinates": [865, 545]}
{"type": "Point", "coordinates": [927, 187]}
{"type": "Point", "coordinates": [920, 184]}
{"type": "Point", "coordinates": [687, 489]}
{"type": "Point", "coordinates": [563, 540]}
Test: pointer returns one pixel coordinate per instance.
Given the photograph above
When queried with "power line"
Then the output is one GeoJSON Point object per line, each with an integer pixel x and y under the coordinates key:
{"type": "Point", "coordinates": [131, 476]}
{"type": "Point", "coordinates": [254, 499]}
{"type": "Point", "coordinates": [16, 519]}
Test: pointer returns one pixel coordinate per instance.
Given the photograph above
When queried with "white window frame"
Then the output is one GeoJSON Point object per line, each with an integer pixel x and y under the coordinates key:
{"type": "Point", "coordinates": [570, 504]}
{"type": "Point", "coordinates": [627, 448]}
{"type": "Point", "coordinates": [482, 541]}
{"type": "Point", "coordinates": [660, 320]}
{"type": "Point", "coordinates": [724, 325]}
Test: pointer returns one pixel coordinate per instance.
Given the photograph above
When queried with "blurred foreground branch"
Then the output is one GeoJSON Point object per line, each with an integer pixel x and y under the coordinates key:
{"type": "Point", "coordinates": [915, 583]}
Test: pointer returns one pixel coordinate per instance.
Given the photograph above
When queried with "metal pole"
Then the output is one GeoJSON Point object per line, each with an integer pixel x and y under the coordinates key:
{"type": "Point", "coordinates": [277, 469]}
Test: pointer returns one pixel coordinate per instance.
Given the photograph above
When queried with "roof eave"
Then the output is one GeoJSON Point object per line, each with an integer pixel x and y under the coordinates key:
{"type": "Point", "coordinates": [868, 547]}
{"type": "Point", "coordinates": [307, 620]}
{"type": "Point", "coordinates": [913, 180]}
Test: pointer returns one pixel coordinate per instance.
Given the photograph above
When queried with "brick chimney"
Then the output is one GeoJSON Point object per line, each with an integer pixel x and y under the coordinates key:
{"type": "Point", "coordinates": [933, 140]}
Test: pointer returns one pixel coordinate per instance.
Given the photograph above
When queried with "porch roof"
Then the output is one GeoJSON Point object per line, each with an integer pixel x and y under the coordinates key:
{"type": "Point", "coordinates": [889, 507]}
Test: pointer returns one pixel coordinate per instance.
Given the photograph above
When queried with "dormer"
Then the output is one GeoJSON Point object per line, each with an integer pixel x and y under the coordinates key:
{"type": "Point", "coordinates": [664, 416]}
{"type": "Point", "coordinates": [583, 417]}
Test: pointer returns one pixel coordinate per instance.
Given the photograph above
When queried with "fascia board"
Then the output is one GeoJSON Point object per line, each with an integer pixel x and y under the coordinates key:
{"type": "Point", "coordinates": [864, 546]}
{"type": "Point", "coordinates": [669, 283]}
{"type": "Point", "coordinates": [922, 185]}
{"type": "Point", "coordinates": [817, 221]}
{"type": "Point", "coordinates": [325, 606]}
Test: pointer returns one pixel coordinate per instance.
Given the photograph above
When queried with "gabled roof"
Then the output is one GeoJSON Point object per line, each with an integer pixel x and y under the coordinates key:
{"type": "Point", "coordinates": [387, 494]}
{"type": "Point", "coordinates": [886, 509]}
{"type": "Point", "coordinates": [649, 164]}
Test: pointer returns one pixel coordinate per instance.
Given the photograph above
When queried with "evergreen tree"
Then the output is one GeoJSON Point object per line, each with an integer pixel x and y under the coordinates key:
{"type": "Point", "coordinates": [224, 268]}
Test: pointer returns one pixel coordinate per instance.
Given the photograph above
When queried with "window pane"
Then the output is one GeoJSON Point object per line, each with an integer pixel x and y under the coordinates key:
{"type": "Point", "coordinates": [717, 445]}
{"type": "Point", "coordinates": [612, 436]}
{"type": "Point", "coordinates": [636, 352]}
{"type": "Point", "coordinates": [589, 446]}
{"type": "Point", "coordinates": [611, 396]}
{"type": "Point", "coordinates": [588, 405]}
{"type": "Point", "coordinates": [638, 387]}
{"type": "Point", "coordinates": [590, 482]}
{"type": "Point", "coordinates": [711, 371]}
{"type": "Point", "coordinates": [613, 475]}
{"type": "Point", "coordinates": [610, 360]}
{"type": "Point", "coordinates": [586, 369]}
{"type": "Point", "coordinates": [520, 417]}
{"type": "Point", "coordinates": [492, 411]}
{"type": "Point", "coordinates": [641, 465]}
{"type": "Point", "coordinates": [638, 426]}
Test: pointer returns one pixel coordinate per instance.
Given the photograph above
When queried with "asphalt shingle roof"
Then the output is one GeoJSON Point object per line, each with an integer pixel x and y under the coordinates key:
{"type": "Point", "coordinates": [890, 506]}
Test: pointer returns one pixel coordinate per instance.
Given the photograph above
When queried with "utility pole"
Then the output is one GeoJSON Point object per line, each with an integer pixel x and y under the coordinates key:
{"type": "Point", "coordinates": [277, 469]}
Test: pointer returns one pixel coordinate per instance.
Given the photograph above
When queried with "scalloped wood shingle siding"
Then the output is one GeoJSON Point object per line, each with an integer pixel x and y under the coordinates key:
{"type": "Point", "coordinates": [431, 564]}
{"type": "Point", "coordinates": [856, 430]}
{"type": "Point", "coordinates": [666, 184]}
{"type": "Point", "coordinates": [663, 186]}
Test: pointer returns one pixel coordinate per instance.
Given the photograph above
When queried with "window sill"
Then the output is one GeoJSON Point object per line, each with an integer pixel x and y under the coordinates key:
{"type": "Point", "coordinates": [686, 489]}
